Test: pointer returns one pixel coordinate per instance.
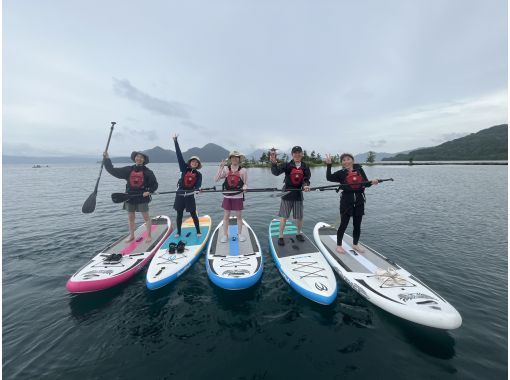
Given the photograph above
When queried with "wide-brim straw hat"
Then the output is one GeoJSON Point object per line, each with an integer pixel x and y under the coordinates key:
{"type": "Point", "coordinates": [145, 157]}
{"type": "Point", "coordinates": [195, 158]}
{"type": "Point", "coordinates": [235, 153]}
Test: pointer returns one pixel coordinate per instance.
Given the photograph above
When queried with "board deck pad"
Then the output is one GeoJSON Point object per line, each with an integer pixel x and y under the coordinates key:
{"type": "Point", "coordinates": [234, 245]}
{"type": "Point", "coordinates": [302, 265]}
{"type": "Point", "coordinates": [99, 273]}
{"type": "Point", "coordinates": [165, 267]}
{"type": "Point", "coordinates": [235, 264]}
{"type": "Point", "coordinates": [352, 261]}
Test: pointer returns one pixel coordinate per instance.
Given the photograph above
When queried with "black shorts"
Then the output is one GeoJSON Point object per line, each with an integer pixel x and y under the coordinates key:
{"type": "Point", "coordinates": [185, 202]}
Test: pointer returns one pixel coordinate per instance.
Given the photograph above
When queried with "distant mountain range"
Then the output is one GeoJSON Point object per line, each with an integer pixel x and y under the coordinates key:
{"type": "Point", "coordinates": [487, 144]}
{"type": "Point", "coordinates": [256, 154]}
{"type": "Point", "coordinates": [208, 153]}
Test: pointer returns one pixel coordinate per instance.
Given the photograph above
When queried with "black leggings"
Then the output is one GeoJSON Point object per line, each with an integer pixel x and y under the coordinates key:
{"type": "Point", "coordinates": [356, 221]}
{"type": "Point", "coordinates": [193, 216]}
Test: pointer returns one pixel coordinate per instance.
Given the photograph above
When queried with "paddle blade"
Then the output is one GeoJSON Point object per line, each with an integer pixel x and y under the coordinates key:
{"type": "Point", "coordinates": [90, 204]}
{"type": "Point", "coordinates": [119, 197]}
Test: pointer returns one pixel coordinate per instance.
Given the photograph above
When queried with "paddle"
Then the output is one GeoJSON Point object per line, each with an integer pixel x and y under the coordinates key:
{"type": "Point", "coordinates": [122, 197]}
{"type": "Point", "coordinates": [334, 187]}
{"type": "Point", "coordinates": [90, 204]}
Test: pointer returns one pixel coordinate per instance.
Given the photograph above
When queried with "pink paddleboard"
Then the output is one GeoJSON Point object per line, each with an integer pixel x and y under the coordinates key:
{"type": "Point", "coordinates": [101, 273]}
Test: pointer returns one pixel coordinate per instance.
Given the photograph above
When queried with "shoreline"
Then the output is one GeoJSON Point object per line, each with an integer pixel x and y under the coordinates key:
{"type": "Point", "coordinates": [401, 163]}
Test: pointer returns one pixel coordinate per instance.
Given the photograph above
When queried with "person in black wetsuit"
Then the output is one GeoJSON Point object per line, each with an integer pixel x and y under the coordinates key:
{"type": "Point", "coordinates": [190, 182]}
{"type": "Point", "coordinates": [297, 179]}
{"type": "Point", "coordinates": [139, 180]}
{"type": "Point", "coordinates": [352, 200]}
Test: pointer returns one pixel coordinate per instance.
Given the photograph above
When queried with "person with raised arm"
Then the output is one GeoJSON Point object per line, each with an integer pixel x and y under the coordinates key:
{"type": "Point", "coordinates": [297, 179]}
{"type": "Point", "coordinates": [189, 183]}
{"type": "Point", "coordinates": [352, 198]}
{"type": "Point", "coordinates": [141, 182]}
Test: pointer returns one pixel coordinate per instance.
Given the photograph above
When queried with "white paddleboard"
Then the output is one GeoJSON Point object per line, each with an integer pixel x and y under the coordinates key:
{"type": "Point", "coordinates": [384, 283]}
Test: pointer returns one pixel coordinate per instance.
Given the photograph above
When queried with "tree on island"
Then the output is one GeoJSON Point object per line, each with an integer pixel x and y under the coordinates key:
{"type": "Point", "coordinates": [371, 157]}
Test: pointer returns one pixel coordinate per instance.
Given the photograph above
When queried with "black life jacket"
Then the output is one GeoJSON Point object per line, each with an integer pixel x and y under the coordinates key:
{"type": "Point", "coordinates": [297, 176]}
{"type": "Point", "coordinates": [136, 179]}
{"type": "Point", "coordinates": [233, 181]}
{"type": "Point", "coordinates": [189, 179]}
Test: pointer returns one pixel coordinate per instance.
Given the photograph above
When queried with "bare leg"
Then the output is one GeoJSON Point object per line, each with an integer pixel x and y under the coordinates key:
{"type": "Point", "coordinates": [299, 224]}
{"type": "Point", "coordinates": [283, 221]}
{"type": "Point", "coordinates": [131, 224]}
{"type": "Point", "coordinates": [226, 216]}
{"type": "Point", "coordinates": [239, 215]}
{"type": "Point", "coordinates": [148, 224]}
{"type": "Point", "coordinates": [240, 226]}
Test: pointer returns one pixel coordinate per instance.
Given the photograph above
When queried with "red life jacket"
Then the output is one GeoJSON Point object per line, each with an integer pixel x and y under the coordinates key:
{"type": "Point", "coordinates": [233, 180]}
{"type": "Point", "coordinates": [296, 176]}
{"type": "Point", "coordinates": [190, 179]}
{"type": "Point", "coordinates": [136, 180]}
{"type": "Point", "coordinates": [353, 177]}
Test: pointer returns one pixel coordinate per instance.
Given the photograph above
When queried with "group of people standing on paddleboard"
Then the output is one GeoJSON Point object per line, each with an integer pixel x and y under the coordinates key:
{"type": "Point", "coordinates": [141, 183]}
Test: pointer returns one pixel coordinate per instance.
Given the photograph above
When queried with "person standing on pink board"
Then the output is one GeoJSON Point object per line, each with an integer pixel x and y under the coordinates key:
{"type": "Point", "coordinates": [235, 183]}
{"type": "Point", "coordinates": [141, 183]}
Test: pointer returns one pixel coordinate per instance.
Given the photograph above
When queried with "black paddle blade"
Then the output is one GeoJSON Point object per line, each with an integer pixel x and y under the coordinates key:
{"type": "Point", "coordinates": [119, 197]}
{"type": "Point", "coordinates": [90, 204]}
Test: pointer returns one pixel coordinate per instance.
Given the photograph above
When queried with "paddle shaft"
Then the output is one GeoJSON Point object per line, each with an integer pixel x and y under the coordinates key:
{"type": "Point", "coordinates": [335, 187]}
{"type": "Point", "coordinates": [90, 203]}
{"type": "Point", "coordinates": [102, 161]}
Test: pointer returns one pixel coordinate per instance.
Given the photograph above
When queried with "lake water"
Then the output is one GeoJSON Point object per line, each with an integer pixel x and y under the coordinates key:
{"type": "Point", "coordinates": [445, 224]}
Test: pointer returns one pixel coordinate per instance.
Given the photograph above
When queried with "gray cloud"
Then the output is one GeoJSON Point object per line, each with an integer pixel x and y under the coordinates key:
{"type": "Point", "coordinates": [378, 143]}
{"type": "Point", "coordinates": [192, 125]}
{"type": "Point", "coordinates": [125, 89]}
{"type": "Point", "coordinates": [130, 133]}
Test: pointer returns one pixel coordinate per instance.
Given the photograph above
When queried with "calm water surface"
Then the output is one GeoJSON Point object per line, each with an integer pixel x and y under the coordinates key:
{"type": "Point", "coordinates": [445, 224]}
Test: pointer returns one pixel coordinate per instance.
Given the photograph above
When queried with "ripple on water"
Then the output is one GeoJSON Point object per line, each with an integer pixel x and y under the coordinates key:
{"type": "Point", "coordinates": [453, 238]}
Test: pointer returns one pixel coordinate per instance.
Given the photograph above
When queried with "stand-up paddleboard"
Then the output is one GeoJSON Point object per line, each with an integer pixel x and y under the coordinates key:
{"type": "Point", "coordinates": [385, 284]}
{"type": "Point", "coordinates": [120, 261]}
{"type": "Point", "coordinates": [236, 264]}
{"type": "Point", "coordinates": [168, 263]}
{"type": "Point", "coordinates": [302, 265]}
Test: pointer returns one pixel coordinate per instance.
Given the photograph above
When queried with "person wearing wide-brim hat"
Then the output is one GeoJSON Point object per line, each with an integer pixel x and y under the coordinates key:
{"type": "Point", "coordinates": [189, 183]}
{"type": "Point", "coordinates": [352, 198]}
{"type": "Point", "coordinates": [140, 180]}
{"type": "Point", "coordinates": [235, 182]}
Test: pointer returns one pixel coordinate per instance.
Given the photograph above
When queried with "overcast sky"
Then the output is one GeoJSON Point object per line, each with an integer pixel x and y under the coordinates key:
{"type": "Point", "coordinates": [332, 76]}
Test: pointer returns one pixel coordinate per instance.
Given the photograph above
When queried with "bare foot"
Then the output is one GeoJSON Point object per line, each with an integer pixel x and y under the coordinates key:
{"type": "Point", "coordinates": [148, 239]}
{"type": "Point", "coordinates": [358, 248]}
{"type": "Point", "coordinates": [129, 239]}
{"type": "Point", "coordinates": [339, 249]}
